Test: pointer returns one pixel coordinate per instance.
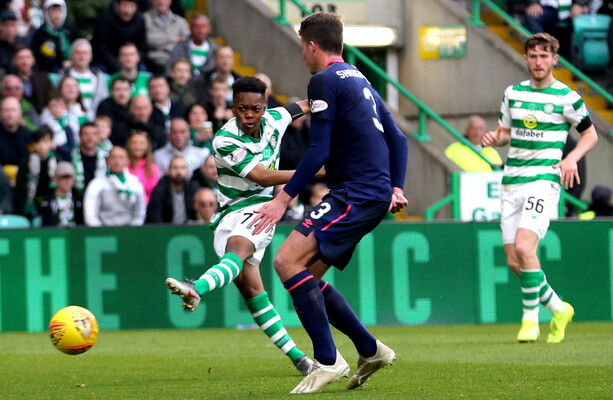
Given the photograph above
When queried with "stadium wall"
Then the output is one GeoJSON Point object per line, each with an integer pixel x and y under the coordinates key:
{"type": "Point", "coordinates": [401, 274]}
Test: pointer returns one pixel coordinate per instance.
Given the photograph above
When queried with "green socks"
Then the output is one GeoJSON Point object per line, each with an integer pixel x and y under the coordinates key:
{"type": "Point", "coordinates": [535, 290]}
{"type": "Point", "coordinates": [269, 320]}
{"type": "Point", "coordinates": [220, 274]}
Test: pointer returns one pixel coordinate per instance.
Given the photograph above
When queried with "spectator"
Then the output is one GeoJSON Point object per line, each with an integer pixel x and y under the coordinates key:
{"type": "Point", "coordinates": [120, 24]}
{"type": "Point", "coordinates": [164, 109]}
{"type": "Point", "coordinates": [116, 199]}
{"type": "Point", "coordinates": [164, 31]}
{"type": "Point", "coordinates": [141, 162]}
{"type": "Point", "coordinates": [224, 62]}
{"type": "Point", "coordinates": [62, 207]}
{"type": "Point", "coordinates": [84, 13]}
{"type": "Point", "coordinates": [55, 117]}
{"type": "Point", "coordinates": [602, 201]}
{"type": "Point", "coordinates": [9, 38]}
{"type": "Point", "coordinates": [218, 108]}
{"type": "Point", "coordinates": [551, 16]}
{"type": "Point", "coordinates": [88, 161]}
{"type": "Point", "coordinates": [36, 84]}
{"type": "Point", "coordinates": [129, 58]}
{"type": "Point", "coordinates": [180, 90]}
{"type": "Point", "coordinates": [198, 49]}
{"type": "Point", "coordinates": [13, 87]}
{"type": "Point", "coordinates": [271, 100]}
{"type": "Point", "coordinates": [69, 89]}
{"type": "Point", "coordinates": [296, 141]}
{"type": "Point", "coordinates": [51, 42]}
{"type": "Point", "coordinates": [116, 108]}
{"type": "Point", "coordinates": [35, 176]}
{"type": "Point", "coordinates": [206, 175]}
{"type": "Point", "coordinates": [14, 138]}
{"type": "Point", "coordinates": [179, 145]}
{"type": "Point", "coordinates": [172, 200]}
{"type": "Point", "coordinates": [205, 205]}
{"type": "Point", "coordinates": [93, 83]}
{"type": "Point", "coordinates": [176, 7]}
{"type": "Point", "coordinates": [465, 157]}
{"type": "Point", "coordinates": [6, 194]}
{"type": "Point", "coordinates": [200, 128]}
{"type": "Point", "coordinates": [105, 126]}
{"type": "Point", "coordinates": [142, 120]}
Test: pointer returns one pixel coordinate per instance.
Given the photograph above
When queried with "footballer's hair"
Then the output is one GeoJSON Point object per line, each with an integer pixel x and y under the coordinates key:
{"type": "Point", "coordinates": [543, 40]}
{"type": "Point", "coordinates": [325, 29]}
{"type": "Point", "coordinates": [249, 84]}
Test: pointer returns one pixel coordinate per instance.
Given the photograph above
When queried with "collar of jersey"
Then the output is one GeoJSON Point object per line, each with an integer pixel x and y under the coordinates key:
{"type": "Point", "coordinates": [335, 60]}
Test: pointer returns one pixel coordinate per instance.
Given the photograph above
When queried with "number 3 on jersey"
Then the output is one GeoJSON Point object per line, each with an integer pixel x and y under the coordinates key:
{"type": "Point", "coordinates": [375, 120]}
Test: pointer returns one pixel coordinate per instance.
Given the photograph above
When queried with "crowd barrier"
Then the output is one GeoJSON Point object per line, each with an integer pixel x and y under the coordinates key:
{"type": "Point", "coordinates": [401, 274]}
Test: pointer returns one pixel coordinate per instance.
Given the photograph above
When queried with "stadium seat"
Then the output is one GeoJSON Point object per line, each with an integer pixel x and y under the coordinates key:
{"type": "Point", "coordinates": [13, 221]}
{"type": "Point", "coordinates": [590, 49]}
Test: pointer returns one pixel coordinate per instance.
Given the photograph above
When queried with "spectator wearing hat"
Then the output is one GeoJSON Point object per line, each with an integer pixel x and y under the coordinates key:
{"type": "Point", "coordinates": [8, 37]}
{"type": "Point", "coordinates": [51, 42]}
{"type": "Point", "coordinates": [121, 23]}
{"type": "Point", "coordinates": [63, 206]}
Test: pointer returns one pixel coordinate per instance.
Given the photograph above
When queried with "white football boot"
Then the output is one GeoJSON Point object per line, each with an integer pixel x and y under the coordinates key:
{"type": "Point", "coordinates": [187, 292]}
{"type": "Point", "coordinates": [369, 365]}
{"type": "Point", "coordinates": [321, 375]}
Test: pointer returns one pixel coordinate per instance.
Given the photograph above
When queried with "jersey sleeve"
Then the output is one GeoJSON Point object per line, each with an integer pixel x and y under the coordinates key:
{"type": "Point", "coordinates": [281, 119]}
{"type": "Point", "coordinates": [229, 154]}
{"type": "Point", "coordinates": [575, 110]}
{"type": "Point", "coordinates": [504, 119]}
{"type": "Point", "coordinates": [321, 97]}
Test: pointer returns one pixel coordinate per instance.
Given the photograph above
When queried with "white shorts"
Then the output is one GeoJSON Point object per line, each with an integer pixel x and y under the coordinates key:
{"type": "Point", "coordinates": [235, 224]}
{"type": "Point", "coordinates": [530, 206]}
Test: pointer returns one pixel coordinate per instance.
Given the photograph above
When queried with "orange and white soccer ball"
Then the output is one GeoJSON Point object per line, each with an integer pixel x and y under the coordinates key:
{"type": "Point", "coordinates": [73, 330]}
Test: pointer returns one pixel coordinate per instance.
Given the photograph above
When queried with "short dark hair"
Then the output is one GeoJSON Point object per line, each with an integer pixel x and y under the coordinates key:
{"type": "Point", "coordinates": [87, 125]}
{"type": "Point", "coordinates": [544, 40]}
{"type": "Point", "coordinates": [40, 134]}
{"type": "Point", "coordinates": [156, 77]}
{"type": "Point", "coordinates": [325, 29]}
{"type": "Point", "coordinates": [249, 84]}
{"type": "Point", "coordinates": [120, 79]}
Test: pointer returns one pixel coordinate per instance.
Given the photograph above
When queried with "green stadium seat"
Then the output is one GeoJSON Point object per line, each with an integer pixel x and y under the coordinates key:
{"type": "Point", "coordinates": [590, 48]}
{"type": "Point", "coordinates": [13, 221]}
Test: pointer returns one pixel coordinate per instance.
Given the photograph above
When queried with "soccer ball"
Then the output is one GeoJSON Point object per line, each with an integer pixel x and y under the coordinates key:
{"type": "Point", "coordinates": [73, 330]}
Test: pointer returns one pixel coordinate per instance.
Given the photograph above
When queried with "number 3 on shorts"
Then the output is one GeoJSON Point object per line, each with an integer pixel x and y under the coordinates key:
{"type": "Point", "coordinates": [323, 208]}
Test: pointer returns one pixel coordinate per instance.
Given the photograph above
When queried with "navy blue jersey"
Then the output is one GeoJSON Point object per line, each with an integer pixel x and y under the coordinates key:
{"type": "Point", "coordinates": [354, 135]}
{"type": "Point", "coordinates": [359, 156]}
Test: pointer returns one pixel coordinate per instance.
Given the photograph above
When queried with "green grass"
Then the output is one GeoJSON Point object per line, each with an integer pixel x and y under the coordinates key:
{"type": "Point", "coordinates": [434, 362]}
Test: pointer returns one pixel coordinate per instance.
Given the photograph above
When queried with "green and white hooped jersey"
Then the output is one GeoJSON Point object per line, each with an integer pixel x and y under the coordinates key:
{"type": "Point", "coordinates": [539, 120]}
{"type": "Point", "coordinates": [237, 153]}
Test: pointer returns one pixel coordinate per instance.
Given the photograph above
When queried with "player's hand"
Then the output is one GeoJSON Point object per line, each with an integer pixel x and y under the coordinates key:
{"type": "Point", "coordinates": [534, 10]}
{"type": "Point", "coordinates": [490, 138]}
{"type": "Point", "coordinates": [569, 173]}
{"type": "Point", "coordinates": [270, 213]}
{"type": "Point", "coordinates": [398, 201]}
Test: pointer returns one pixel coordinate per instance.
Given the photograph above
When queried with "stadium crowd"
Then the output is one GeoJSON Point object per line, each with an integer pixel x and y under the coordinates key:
{"type": "Point", "coordinates": [108, 111]}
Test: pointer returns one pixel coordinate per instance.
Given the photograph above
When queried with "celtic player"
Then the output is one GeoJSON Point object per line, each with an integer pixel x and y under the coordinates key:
{"type": "Point", "coordinates": [247, 157]}
{"type": "Point", "coordinates": [535, 117]}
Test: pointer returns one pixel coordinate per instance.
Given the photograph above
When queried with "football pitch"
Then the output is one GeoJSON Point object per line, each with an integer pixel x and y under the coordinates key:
{"type": "Point", "coordinates": [434, 362]}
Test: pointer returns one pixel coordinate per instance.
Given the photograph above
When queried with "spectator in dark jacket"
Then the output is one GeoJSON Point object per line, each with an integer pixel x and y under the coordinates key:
{"type": "Point", "coordinates": [51, 42]}
{"type": "Point", "coordinates": [6, 194]}
{"type": "Point", "coordinates": [172, 200]}
{"type": "Point", "coordinates": [8, 38]}
{"type": "Point", "coordinates": [14, 138]}
{"type": "Point", "coordinates": [63, 206]}
{"type": "Point", "coordinates": [36, 84]}
{"type": "Point", "coordinates": [116, 108]}
{"type": "Point", "coordinates": [121, 23]}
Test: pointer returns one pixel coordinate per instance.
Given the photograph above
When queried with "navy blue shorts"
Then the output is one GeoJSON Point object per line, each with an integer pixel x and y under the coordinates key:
{"type": "Point", "coordinates": [340, 223]}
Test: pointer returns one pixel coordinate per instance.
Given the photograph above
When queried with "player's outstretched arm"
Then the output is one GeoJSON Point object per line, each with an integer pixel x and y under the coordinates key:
{"type": "Point", "coordinates": [269, 177]}
{"type": "Point", "coordinates": [569, 172]}
{"type": "Point", "coordinates": [398, 201]}
{"type": "Point", "coordinates": [500, 137]}
{"type": "Point", "coordinates": [270, 213]}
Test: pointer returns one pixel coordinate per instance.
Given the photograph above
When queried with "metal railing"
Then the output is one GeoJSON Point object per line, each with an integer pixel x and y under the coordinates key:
{"type": "Point", "coordinates": [475, 19]}
{"type": "Point", "coordinates": [424, 112]}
